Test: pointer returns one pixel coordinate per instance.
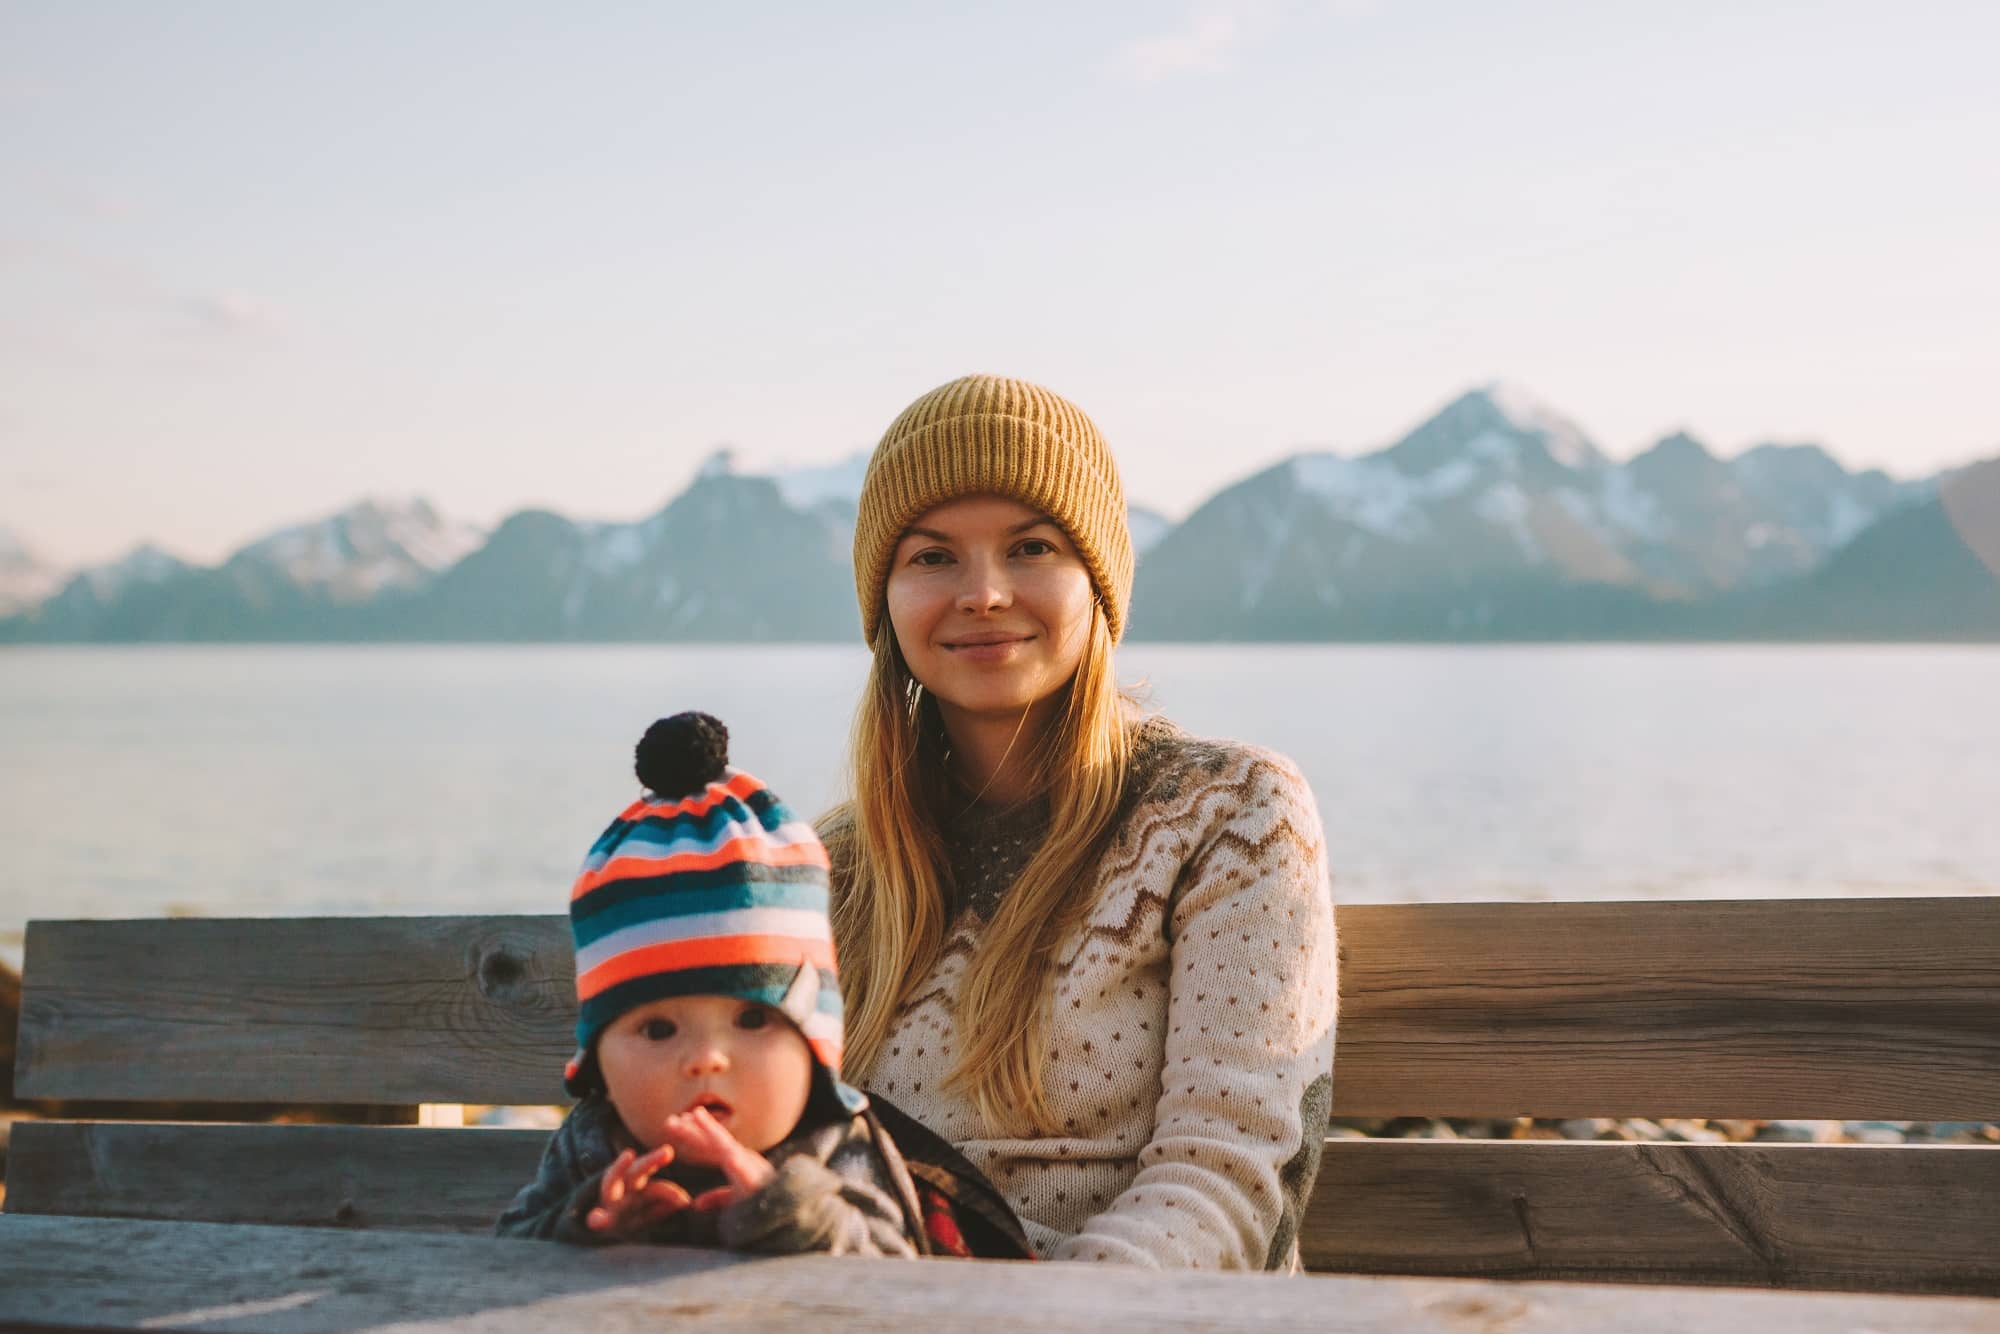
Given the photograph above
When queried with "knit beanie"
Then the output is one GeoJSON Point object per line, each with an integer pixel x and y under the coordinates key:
{"type": "Point", "coordinates": [989, 434]}
{"type": "Point", "coordinates": [707, 885]}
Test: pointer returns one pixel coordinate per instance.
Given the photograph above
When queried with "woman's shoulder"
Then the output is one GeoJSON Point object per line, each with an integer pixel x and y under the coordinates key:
{"type": "Point", "coordinates": [1171, 766]}
{"type": "Point", "coordinates": [1231, 807]}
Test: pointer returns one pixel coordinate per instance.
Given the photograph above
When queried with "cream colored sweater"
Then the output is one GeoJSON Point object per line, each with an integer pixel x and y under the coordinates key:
{"type": "Point", "coordinates": [1192, 1046]}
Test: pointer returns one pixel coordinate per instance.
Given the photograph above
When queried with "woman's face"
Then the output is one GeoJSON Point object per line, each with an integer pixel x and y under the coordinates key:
{"type": "Point", "coordinates": [991, 606]}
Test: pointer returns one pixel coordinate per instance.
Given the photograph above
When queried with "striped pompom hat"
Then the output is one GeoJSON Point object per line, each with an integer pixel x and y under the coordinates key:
{"type": "Point", "coordinates": [707, 885]}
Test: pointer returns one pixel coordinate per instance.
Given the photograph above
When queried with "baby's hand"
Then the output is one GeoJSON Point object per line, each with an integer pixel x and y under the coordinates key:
{"type": "Point", "coordinates": [629, 1200]}
{"type": "Point", "coordinates": [699, 1138]}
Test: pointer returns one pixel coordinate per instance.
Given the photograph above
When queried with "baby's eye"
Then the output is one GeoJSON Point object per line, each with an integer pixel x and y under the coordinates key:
{"type": "Point", "coordinates": [753, 1016]}
{"type": "Point", "coordinates": [657, 1030]}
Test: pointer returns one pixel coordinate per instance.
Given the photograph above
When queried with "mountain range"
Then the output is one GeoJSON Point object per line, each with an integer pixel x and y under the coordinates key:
{"type": "Point", "coordinates": [1496, 518]}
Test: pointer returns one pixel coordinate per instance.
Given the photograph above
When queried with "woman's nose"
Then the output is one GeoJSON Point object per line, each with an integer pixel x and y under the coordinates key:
{"type": "Point", "coordinates": [985, 587]}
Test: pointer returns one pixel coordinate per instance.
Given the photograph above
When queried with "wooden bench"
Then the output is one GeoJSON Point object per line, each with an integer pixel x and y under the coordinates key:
{"type": "Point", "coordinates": [1876, 1009]}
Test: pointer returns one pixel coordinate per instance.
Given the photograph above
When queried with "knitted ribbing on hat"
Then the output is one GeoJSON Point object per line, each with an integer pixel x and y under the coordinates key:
{"type": "Point", "coordinates": [986, 434]}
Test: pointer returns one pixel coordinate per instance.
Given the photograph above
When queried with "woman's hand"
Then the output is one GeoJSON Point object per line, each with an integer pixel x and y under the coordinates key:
{"type": "Point", "coordinates": [628, 1199]}
{"type": "Point", "coordinates": [699, 1138]}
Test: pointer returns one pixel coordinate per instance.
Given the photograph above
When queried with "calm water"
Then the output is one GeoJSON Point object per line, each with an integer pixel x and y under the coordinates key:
{"type": "Point", "coordinates": [137, 781]}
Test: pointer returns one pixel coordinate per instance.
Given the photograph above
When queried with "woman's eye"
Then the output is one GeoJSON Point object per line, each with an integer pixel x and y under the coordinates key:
{"type": "Point", "coordinates": [657, 1030]}
{"type": "Point", "coordinates": [930, 557]}
{"type": "Point", "coordinates": [1037, 546]}
{"type": "Point", "coordinates": [754, 1017]}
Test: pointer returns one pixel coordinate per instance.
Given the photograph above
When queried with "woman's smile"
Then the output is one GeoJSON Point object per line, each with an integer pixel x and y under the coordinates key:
{"type": "Point", "coordinates": [987, 646]}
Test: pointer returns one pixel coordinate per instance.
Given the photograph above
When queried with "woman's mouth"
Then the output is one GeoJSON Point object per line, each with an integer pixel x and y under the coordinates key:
{"type": "Point", "coordinates": [986, 648]}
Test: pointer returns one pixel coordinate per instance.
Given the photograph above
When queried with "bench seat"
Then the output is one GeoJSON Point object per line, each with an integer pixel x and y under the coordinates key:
{"type": "Point", "coordinates": [1859, 1009]}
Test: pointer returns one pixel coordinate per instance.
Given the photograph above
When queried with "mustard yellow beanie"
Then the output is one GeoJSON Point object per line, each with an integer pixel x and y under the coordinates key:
{"type": "Point", "coordinates": [986, 434]}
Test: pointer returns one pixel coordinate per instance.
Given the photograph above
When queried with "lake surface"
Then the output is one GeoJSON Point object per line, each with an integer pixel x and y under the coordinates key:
{"type": "Point", "coordinates": [365, 779]}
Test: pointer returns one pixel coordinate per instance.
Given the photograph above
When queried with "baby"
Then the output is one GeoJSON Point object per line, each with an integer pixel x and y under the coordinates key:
{"type": "Point", "coordinates": [709, 1033]}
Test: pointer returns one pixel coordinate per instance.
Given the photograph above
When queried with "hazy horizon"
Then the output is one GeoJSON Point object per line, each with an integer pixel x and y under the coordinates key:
{"type": "Point", "coordinates": [222, 547]}
{"type": "Point", "coordinates": [264, 261]}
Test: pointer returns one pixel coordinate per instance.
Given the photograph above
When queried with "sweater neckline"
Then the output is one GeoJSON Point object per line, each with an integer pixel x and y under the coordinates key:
{"type": "Point", "coordinates": [991, 819]}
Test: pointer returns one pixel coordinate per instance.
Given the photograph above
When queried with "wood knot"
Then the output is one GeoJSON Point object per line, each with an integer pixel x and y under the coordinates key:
{"type": "Point", "coordinates": [500, 971]}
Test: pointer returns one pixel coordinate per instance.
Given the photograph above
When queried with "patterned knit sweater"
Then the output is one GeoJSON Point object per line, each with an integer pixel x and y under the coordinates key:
{"type": "Point", "coordinates": [1191, 1050]}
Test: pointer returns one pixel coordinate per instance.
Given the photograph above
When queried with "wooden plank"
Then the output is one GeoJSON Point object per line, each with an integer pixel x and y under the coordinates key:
{"type": "Point", "coordinates": [363, 1009]}
{"type": "Point", "coordinates": [1916, 1218]}
{"type": "Point", "coordinates": [97, 1273]}
{"type": "Point", "coordinates": [308, 1176]}
{"type": "Point", "coordinates": [1860, 1009]}
{"type": "Point", "coordinates": [1859, 1217]}
{"type": "Point", "coordinates": [1853, 1008]}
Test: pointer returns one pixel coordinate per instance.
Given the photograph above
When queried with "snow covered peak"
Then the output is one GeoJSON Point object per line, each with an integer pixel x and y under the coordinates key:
{"type": "Point", "coordinates": [1529, 415]}
{"type": "Point", "coordinates": [373, 544]}
{"type": "Point", "coordinates": [1500, 426]}
{"type": "Point", "coordinates": [25, 578]}
{"type": "Point", "coordinates": [1372, 494]}
{"type": "Point", "coordinates": [815, 484]}
{"type": "Point", "coordinates": [719, 463]}
{"type": "Point", "coordinates": [146, 563]}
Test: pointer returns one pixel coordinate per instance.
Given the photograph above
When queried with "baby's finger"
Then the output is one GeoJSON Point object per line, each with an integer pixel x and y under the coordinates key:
{"type": "Point", "coordinates": [612, 1189]}
{"type": "Point", "coordinates": [641, 1169]}
{"type": "Point", "coordinates": [719, 1198]}
{"type": "Point", "coordinates": [670, 1201]}
{"type": "Point", "coordinates": [670, 1193]}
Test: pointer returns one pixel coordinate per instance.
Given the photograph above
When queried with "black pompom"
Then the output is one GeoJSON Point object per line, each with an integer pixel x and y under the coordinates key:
{"type": "Point", "coordinates": [681, 755]}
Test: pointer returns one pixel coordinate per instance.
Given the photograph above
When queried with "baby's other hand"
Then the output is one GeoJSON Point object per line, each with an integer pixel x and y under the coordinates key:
{"type": "Point", "coordinates": [629, 1200]}
{"type": "Point", "coordinates": [699, 1138]}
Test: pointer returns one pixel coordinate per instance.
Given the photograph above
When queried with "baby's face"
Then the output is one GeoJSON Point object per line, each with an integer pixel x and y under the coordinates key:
{"type": "Point", "coordinates": [743, 1061]}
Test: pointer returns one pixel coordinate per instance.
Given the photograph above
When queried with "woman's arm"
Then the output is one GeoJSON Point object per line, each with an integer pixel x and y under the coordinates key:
{"type": "Point", "coordinates": [1247, 1081]}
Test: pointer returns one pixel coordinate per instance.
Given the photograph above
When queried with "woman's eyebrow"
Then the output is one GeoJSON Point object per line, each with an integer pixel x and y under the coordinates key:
{"type": "Point", "coordinates": [1037, 522]}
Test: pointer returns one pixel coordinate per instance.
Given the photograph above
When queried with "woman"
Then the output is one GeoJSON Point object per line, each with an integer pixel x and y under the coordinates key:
{"type": "Point", "coordinates": [1093, 952]}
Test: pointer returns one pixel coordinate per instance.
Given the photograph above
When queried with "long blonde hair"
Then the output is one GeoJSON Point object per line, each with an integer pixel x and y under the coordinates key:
{"type": "Point", "coordinates": [889, 909]}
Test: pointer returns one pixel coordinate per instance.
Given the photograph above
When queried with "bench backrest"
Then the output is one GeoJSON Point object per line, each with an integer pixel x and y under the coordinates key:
{"type": "Point", "coordinates": [1869, 1009]}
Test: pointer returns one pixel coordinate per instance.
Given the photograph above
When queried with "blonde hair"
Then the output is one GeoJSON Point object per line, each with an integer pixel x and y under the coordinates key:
{"type": "Point", "coordinates": [889, 908]}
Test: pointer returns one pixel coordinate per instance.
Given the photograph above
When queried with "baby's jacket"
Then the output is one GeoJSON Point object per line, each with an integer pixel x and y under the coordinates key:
{"type": "Point", "coordinates": [841, 1188]}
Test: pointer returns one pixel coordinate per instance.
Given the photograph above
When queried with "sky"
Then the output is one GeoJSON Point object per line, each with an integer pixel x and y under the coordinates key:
{"type": "Point", "coordinates": [259, 260]}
